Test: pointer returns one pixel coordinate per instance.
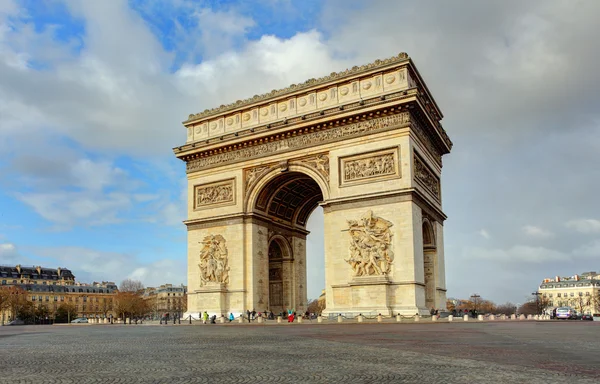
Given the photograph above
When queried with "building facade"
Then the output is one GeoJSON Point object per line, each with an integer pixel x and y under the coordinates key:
{"type": "Point", "coordinates": [167, 298]}
{"type": "Point", "coordinates": [10, 275]}
{"type": "Point", "coordinates": [581, 292]}
{"type": "Point", "coordinates": [48, 288]}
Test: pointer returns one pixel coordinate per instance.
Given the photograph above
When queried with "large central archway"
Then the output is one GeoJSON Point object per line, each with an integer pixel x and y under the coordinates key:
{"type": "Point", "coordinates": [365, 144]}
{"type": "Point", "coordinates": [283, 202]}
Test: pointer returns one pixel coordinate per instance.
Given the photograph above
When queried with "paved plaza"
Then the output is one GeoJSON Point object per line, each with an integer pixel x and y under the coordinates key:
{"type": "Point", "coordinates": [492, 352]}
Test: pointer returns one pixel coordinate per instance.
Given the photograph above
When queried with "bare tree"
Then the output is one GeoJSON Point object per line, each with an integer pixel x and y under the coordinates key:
{"type": "Point", "coordinates": [129, 285]}
{"type": "Point", "coordinates": [4, 302]}
{"type": "Point", "coordinates": [506, 309]}
{"type": "Point", "coordinates": [580, 303]}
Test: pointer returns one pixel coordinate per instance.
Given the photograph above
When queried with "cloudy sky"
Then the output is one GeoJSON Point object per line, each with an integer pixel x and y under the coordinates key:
{"type": "Point", "coordinates": [92, 94]}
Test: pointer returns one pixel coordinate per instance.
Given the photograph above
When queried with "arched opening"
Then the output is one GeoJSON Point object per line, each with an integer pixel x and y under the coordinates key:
{"type": "Point", "coordinates": [429, 260]}
{"type": "Point", "coordinates": [287, 201]}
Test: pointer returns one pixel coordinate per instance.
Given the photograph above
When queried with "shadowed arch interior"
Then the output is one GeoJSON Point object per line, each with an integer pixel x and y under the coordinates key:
{"type": "Point", "coordinates": [290, 197]}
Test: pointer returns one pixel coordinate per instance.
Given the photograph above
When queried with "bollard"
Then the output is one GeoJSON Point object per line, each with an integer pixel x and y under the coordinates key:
{"type": "Point", "coordinates": [450, 318]}
{"type": "Point", "coordinates": [466, 317]}
{"type": "Point", "coordinates": [278, 319]}
{"type": "Point", "coordinates": [434, 318]}
{"type": "Point", "coordinates": [513, 317]}
{"type": "Point", "coordinates": [359, 318]}
{"type": "Point", "coordinates": [240, 319]}
{"type": "Point", "coordinates": [480, 317]}
{"type": "Point", "coordinates": [521, 317]}
{"type": "Point", "coordinates": [340, 319]}
{"type": "Point", "coordinates": [300, 319]}
{"type": "Point", "coordinates": [417, 318]}
{"type": "Point", "coordinates": [379, 318]}
{"type": "Point", "coordinates": [190, 318]}
{"type": "Point", "coordinates": [260, 319]}
{"type": "Point", "coordinates": [492, 317]}
{"type": "Point", "coordinates": [398, 318]}
{"type": "Point", "coordinates": [319, 319]}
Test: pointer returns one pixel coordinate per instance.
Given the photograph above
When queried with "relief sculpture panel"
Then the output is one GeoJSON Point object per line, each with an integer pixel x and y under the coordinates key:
{"type": "Point", "coordinates": [426, 177]}
{"type": "Point", "coordinates": [219, 193]}
{"type": "Point", "coordinates": [213, 260]}
{"type": "Point", "coordinates": [374, 166]}
{"type": "Point", "coordinates": [370, 246]}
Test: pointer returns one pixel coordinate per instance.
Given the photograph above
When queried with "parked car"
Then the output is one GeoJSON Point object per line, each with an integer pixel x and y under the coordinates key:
{"type": "Point", "coordinates": [80, 320]}
{"type": "Point", "coordinates": [587, 317]}
{"type": "Point", "coordinates": [16, 322]}
{"type": "Point", "coordinates": [566, 313]}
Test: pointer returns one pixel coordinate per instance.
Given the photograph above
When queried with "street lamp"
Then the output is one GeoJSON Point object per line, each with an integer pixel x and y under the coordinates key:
{"type": "Point", "coordinates": [475, 298]}
{"type": "Point", "coordinates": [537, 301]}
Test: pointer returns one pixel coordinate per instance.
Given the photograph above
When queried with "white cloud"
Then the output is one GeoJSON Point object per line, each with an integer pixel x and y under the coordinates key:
{"type": "Point", "coordinates": [93, 265]}
{"type": "Point", "coordinates": [587, 226]}
{"type": "Point", "coordinates": [9, 254]}
{"type": "Point", "coordinates": [533, 231]}
{"type": "Point", "coordinates": [484, 233]}
{"type": "Point", "coordinates": [518, 254]}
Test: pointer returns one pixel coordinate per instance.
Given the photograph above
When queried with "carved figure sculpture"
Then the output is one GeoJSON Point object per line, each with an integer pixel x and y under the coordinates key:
{"type": "Point", "coordinates": [213, 260]}
{"type": "Point", "coordinates": [370, 246]}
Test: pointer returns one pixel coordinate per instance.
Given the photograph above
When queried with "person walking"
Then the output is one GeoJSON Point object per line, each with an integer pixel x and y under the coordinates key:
{"type": "Point", "coordinates": [248, 314]}
{"type": "Point", "coordinates": [205, 317]}
{"type": "Point", "coordinates": [231, 318]}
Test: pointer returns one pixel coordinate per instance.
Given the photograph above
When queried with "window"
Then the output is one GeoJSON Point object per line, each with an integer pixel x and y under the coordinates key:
{"type": "Point", "coordinates": [55, 298]}
{"type": "Point", "coordinates": [62, 298]}
{"type": "Point", "coordinates": [44, 283]}
{"type": "Point", "coordinates": [580, 293]}
{"type": "Point", "coordinates": [558, 295]}
{"type": "Point", "coordinates": [32, 298]}
{"type": "Point", "coordinates": [550, 295]}
{"type": "Point", "coordinates": [40, 298]}
{"type": "Point", "coordinates": [84, 299]}
{"type": "Point", "coordinates": [587, 293]}
{"type": "Point", "coordinates": [47, 298]}
{"type": "Point", "coordinates": [572, 294]}
{"type": "Point", "coordinates": [3, 282]}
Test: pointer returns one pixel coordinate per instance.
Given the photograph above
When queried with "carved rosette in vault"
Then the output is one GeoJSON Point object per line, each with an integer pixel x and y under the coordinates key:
{"type": "Point", "coordinates": [213, 260]}
{"type": "Point", "coordinates": [370, 246]}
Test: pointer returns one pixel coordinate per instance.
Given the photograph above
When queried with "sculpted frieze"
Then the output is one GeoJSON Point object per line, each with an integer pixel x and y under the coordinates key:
{"type": "Point", "coordinates": [370, 167]}
{"type": "Point", "coordinates": [319, 163]}
{"type": "Point", "coordinates": [426, 177]}
{"type": "Point", "coordinates": [425, 138]}
{"type": "Point", "coordinates": [221, 192]}
{"type": "Point", "coordinates": [334, 134]}
{"type": "Point", "coordinates": [370, 246]}
{"type": "Point", "coordinates": [213, 260]}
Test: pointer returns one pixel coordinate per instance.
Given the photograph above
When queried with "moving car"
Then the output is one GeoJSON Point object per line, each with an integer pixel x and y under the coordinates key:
{"type": "Point", "coordinates": [587, 317]}
{"type": "Point", "coordinates": [565, 313]}
{"type": "Point", "coordinates": [80, 320]}
{"type": "Point", "coordinates": [16, 322]}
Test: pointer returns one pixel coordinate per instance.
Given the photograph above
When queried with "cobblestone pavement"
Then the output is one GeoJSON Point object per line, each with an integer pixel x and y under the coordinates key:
{"type": "Point", "coordinates": [506, 352]}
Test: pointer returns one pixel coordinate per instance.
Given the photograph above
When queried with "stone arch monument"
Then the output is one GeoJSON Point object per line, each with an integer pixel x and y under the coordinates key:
{"type": "Point", "coordinates": [366, 144]}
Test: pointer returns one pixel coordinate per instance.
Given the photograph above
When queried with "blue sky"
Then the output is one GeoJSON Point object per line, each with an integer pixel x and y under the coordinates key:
{"type": "Point", "coordinates": [92, 95]}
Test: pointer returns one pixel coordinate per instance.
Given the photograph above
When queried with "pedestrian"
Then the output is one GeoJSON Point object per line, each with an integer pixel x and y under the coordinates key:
{"type": "Point", "coordinates": [231, 317]}
{"type": "Point", "coordinates": [253, 314]}
{"type": "Point", "coordinates": [248, 314]}
{"type": "Point", "coordinates": [205, 317]}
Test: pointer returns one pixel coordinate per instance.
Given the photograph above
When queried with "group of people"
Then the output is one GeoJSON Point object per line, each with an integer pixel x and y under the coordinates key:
{"type": "Point", "coordinates": [290, 314]}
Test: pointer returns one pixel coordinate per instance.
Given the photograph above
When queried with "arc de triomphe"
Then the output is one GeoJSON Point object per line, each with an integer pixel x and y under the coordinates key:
{"type": "Point", "coordinates": [366, 144]}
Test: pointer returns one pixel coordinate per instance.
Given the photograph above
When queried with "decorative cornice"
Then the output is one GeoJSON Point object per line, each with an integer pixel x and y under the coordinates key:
{"type": "Point", "coordinates": [307, 137]}
{"type": "Point", "coordinates": [402, 57]}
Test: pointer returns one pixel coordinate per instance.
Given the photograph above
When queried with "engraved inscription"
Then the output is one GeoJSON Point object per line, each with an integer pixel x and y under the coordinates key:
{"type": "Point", "coordinates": [215, 193]}
{"type": "Point", "coordinates": [426, 177]}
